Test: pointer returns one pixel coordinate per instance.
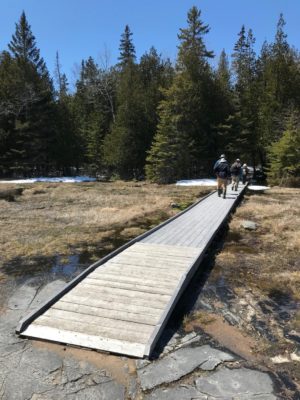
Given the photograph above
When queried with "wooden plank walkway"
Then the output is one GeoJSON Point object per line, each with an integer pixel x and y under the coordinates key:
{"type": "Point", "coordinates": [123, 305]}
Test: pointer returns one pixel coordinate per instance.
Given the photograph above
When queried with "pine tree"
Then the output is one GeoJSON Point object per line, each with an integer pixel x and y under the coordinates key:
{"type": "Point", "coordinates": [33, 106]}
{"type": "Point", "coordinates": [193, 53]}
{"type": "Point", "coordinates": [244, 66]}
{"type": "Point", "coordinates": [186, 114]}
{"type": "Point", "coordinates": [23, 47]}
{"type": "Point", "coordinates": [61, 79]}
{"type": "Point", "coordinates": [285, 153]}
{"type": "Point", "coordinates": [169, 156]}
{"type": "Point", "coordinates": [279, 87]}
{"type": "Point", "coordinates": [124, 146]}
{"type": "Point", "coordinates": [127, 49]}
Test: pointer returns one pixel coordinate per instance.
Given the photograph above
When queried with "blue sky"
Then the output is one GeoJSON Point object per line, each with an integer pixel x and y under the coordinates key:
{"type": "Point", "coordinates": [80, 28]}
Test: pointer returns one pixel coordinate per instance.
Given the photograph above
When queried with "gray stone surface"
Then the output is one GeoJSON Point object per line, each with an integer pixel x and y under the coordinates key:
{"type": "Point", "coordinates": [27, 372]}
{"type": "Point", "coordinates": [180, 363]}
{"type": "Point", "coordinates": [249, 225]}
{"type": "Point", "coordinates": [22, 298]}
{"type": "Point", "coordinates": [179, 393]}
{"type": "Point", "coordinates": [238, 383]}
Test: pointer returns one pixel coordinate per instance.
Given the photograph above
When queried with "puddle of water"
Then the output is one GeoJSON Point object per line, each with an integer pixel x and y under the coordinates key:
{"type": "Point", "coordinates": [44, 269]}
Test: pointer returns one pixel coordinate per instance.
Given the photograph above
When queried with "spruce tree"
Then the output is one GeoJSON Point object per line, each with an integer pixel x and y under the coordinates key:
{"type": "Point", "coordinates": [92, 115]}
{"type": "Point", "coordinates": [169, 156]}
{"type": "Point", "coordinates": [186, 113]}
{"type": "Point", "coordinates": [279, 87]}
{"type": "Point", "coordinates": [34, 121]}
{"type": "Point", "coordinates": [124, 146]}
{"type": "Point", "coordinates": [23, 47]}
{"type": "Point", "coordinates": [127, 49]}
{"type": "Point", "coordinates": [244, 67]}
{"type": "Point", "coordinates": [285, 153]}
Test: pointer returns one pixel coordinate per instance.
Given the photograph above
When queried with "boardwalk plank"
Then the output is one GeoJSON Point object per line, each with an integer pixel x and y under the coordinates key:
{"type": "Point", "coordinates": [142, 280]}
{"type": "Point", "coordinates": [142, 318]}
{"type": "Point", "coordinates": [80, 339]}
{"type": "Point", "coordinates": [91, 320]}
{"type": "Point", "coordinates": [129, 286]}
{"type": "Point", "coordinates": [89, 292]}
{"type": "Point", "coordinates": [111, 291]}
{"type": "Point", "coordinates": [90, 329]}
{"type": "Point", "coordinates": [135, 270]}
{"type": "Point", "coordinates": [116, 304]}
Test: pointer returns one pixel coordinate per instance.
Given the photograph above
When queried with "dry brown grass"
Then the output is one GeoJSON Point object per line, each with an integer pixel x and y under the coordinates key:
{"type": "Point", "coordinates": [62, 218]}
{"type": "Point", "coordinates": [269, 258]}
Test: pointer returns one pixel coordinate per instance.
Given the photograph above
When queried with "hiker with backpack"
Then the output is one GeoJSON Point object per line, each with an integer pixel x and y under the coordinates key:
{"type": "Point", "coordinates": [245, 172]}
{"type": "Point", "coordinates": [222, 170]}
{"type": "Point", "coordinates": [235, 170]}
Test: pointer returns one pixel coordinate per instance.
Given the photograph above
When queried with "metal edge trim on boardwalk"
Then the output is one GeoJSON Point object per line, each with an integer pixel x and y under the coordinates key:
{"type": "Point", "coordinates": [32, 316]}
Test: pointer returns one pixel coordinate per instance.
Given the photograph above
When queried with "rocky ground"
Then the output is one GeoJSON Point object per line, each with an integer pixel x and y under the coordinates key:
{"type": "Point", "coordinates": [225, 340]}
{"type": "Point", "coordinates": [189, 367]}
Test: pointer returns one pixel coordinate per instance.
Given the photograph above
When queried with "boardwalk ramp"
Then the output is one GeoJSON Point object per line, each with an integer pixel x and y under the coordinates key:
{"type": "Point", "coordinates": [122, 303]}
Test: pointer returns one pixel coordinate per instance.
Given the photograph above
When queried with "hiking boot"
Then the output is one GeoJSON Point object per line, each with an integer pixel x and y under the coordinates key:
{"type": "Point", "coordinates": [219, 192]}
{"type": "Point", "coordinates": [224, 194]}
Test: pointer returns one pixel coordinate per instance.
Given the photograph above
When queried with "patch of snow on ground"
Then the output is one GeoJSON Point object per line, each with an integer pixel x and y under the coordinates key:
{"type": "Point", "coordinates": [64, 179]}
{"type": "Point", "coordinates": [197, 182]}
{"type": "Point", "coordinates": [258, 188]}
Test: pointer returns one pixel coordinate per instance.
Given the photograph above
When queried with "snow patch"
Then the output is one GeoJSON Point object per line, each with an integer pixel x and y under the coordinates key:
{"type": "Point", "coordinates": [197, 182]}
{"type": "Point", "coordinates": [64, 179]}
{"type": "Point", "coordinates": [258, 188]}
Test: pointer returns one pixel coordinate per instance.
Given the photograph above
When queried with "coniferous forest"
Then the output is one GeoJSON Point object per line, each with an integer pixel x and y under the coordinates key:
{"type": "Point", "coordinates": [152, 118]}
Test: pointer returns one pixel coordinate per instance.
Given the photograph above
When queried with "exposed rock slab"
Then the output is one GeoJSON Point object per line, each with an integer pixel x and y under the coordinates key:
{"type": "Point", "coordinates": [179, 393]}
{"type": "Point", "coordinates": [180, 363]}
{"type": "Point", "coordinates": [238, 383]}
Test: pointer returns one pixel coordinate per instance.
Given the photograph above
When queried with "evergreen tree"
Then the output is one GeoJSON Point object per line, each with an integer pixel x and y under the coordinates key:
{"type": "Point", "coordinates": [279, 87]}
{"type": "Point", "coordinates": [124, 146]}
{"type": "Point", "coordinates": [61, 79]}
{"type": "Point", "coordinates": [23, 47]}
{"type": "Point", "coordinates": [169, 156]}
{"type": "Point", "coordinates": [32, 107]}
{"type": "Point", "coordinates": [94, 111]}
{"type": "Point", "coordinates": [127, 49]}
{"type": "Point", "coordinates": [244, 66]}
{"type": "Point", "coordinates": [186, 114]}
{"type": "Point", "coordinates": [285, 153]}
{"type": "Point", "coordinates": [193, 53]}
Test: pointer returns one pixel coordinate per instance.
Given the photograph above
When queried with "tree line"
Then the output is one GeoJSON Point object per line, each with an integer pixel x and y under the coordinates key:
{"type": "Point", "coordinates": [151, 118]}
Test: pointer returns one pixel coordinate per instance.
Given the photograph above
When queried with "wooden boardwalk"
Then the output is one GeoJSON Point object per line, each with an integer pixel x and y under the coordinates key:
{"type": "Point", "coordinates": [122, 303]}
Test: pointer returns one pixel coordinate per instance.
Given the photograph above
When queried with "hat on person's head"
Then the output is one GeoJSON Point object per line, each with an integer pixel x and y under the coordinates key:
{"type": "Point", "coordinates": [245, 165]}
{"type": "Point", "coordinates": [238, 160]}
{"type": "Point", "coordinates": [222, 156]}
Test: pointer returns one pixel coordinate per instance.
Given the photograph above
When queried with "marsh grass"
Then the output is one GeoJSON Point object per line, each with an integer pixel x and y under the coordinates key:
{"type": "Point", "coordinates": [266, 261]}
{"type": "Point", "coordinates": [50, 219]}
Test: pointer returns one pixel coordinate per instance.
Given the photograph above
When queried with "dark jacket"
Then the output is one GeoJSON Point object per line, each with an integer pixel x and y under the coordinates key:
{"type": "Point", "coordinates": [222, 169]}
{"type": "Point", "coordinates": [236, 169]}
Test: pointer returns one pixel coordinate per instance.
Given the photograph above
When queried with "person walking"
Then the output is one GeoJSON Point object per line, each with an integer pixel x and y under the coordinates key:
{"type": "Point", "coordinates": [222, 170]}
{"type": "Point", "coordinates": [235, 174]}
{"type": "Point", "coordinates": [245, 171]}
{"type": "Point", "coordinates": [219, 160]}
